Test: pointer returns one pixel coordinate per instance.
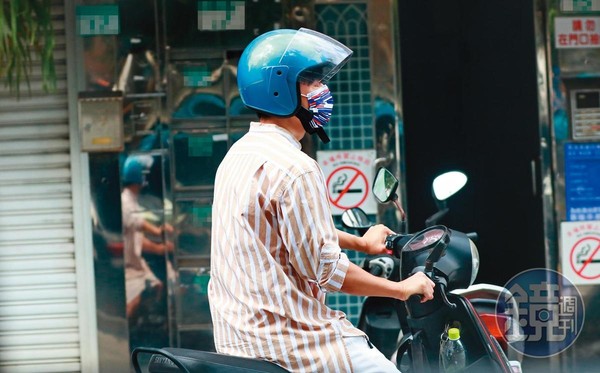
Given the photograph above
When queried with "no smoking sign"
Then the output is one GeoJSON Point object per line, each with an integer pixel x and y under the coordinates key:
{"type": "Point", "coordinates": [349, 176]}
{"type": "Point", "coordinates": [581, 251]}
{"type": "Point", "coordinates": [585, 257]}
{"type": "Point", "coordinates": [348, 187]}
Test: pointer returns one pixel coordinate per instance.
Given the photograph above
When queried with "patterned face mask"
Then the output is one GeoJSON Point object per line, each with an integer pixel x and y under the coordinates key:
{"type": "Point", "coordinates": [320, 104]}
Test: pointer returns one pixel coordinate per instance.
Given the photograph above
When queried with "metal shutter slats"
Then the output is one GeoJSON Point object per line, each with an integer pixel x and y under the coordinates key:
{"type": "Point", "coordinates": [65, 351]}
{"type": "Point", "coordinates": [38, 338]}
{"type": "Point", "coordinates": [38, 278]}
{"type": "Point", "coordinates": [38, 308]}
{"type": "Point", "coordinates": [45, 367]}
{"type": "Point", "coordinates": [33, 161]}
{"type": "Point", "coordinates": [35, 220]}
{"type": "Point", "coordinates": [26, 116]}
{"type": "Point", "coordinates": [39, 325]}
{"type": "Point", "coordinates": [39, 292]}
{"type": "Point", "coordinates": [7, 251]}
{"type": "Point", "coordinates": [7, 191]}
{"type": "Point", "coordinates": [35, 205]}
{"type": "Point", "coordinates": [33, 146]}
{"type": "Point", "coordinates": [37, 263]}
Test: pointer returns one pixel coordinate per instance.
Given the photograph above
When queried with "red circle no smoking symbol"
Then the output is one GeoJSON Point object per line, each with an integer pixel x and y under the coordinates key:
{"type": "Point", "coordinates": [348, 187]}
{"type": "Point", "coordinates": [585, 258]}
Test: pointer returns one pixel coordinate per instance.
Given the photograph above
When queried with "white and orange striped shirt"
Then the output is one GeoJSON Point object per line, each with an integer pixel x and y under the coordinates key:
{"type": "Point", "coordinates": [274, 255]}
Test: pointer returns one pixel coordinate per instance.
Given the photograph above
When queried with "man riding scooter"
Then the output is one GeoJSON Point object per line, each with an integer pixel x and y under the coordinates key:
{"type": "Point", "coordinates": [139, 278]}
{"type": "Point", "coordinates": [275, 249]}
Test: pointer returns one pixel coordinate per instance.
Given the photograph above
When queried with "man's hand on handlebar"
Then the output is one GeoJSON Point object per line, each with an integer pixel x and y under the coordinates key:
{"type": "Point", "coordinates": [374, 239]}
{"type": "Point", "coordinates": [417, 284]}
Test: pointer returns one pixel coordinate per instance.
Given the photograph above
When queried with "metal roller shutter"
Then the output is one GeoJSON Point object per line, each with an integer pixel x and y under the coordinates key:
{"type": "Point", "coordinates": [39, 322]}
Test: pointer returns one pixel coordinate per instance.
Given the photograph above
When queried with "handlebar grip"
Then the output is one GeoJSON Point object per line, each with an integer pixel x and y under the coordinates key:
{"type": "Point", "coordinates": [415, 298]}
{"type": "Point", "coordinates": [389, 242]}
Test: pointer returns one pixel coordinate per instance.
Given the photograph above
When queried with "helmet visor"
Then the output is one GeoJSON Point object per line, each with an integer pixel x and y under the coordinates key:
{"type": "Point", "coordinates": [324, 56]}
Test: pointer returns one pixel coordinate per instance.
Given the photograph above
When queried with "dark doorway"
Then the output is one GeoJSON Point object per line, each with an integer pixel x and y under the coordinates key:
{"type": "Point", "coordinates": [470, 103]}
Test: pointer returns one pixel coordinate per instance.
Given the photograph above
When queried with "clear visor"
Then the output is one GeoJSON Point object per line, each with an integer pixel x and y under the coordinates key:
{"type": "Point", "coordinates": [324, 55]}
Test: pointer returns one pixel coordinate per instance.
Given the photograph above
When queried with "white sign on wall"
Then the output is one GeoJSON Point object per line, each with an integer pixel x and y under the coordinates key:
{"type": "Point", "coordinates": [580, 253]}
{"type": "Point", "coordinates": [577, 32]}
{"type": "Point", "coordinates": [349, 177]}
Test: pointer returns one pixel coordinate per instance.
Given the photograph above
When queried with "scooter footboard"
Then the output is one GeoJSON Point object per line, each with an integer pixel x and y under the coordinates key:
{"type": "Point", "coordinates": [171, 360]}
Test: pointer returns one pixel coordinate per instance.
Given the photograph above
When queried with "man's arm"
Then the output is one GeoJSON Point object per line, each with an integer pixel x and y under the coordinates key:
{"type": "Point", "coordinates": [360, 282]}
{"type": "Point", "coordinates": [151, 228]}
{"type": "Point", "coordinates": [152, 247]}
{"type": "Point", "coordinates": [157, 248]}
{"type": "Point", "coordinates": [373, 242]}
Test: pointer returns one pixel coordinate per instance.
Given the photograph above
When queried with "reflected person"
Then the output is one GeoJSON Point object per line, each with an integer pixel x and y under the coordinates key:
{"type": "Point", "coordinates": [138, 275]}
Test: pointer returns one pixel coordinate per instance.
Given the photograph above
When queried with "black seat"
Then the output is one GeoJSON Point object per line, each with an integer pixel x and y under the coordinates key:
{"type": "Point", "coordinates": [170, 360]}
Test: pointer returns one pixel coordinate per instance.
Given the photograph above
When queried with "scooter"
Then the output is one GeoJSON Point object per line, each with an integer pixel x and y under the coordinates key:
{"type": "Point", "coordinates": [451, 260]}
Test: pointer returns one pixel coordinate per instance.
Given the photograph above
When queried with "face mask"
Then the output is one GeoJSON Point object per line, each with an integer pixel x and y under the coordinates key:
{"type": "Point", "coordinates": [320, 104]}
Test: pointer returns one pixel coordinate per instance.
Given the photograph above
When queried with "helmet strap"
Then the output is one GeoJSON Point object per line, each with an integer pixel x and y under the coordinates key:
{"type": "Point", "coordinates": [305, 117]}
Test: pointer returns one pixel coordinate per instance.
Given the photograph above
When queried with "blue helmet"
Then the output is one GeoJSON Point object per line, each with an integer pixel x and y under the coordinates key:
{"type": "Point", "coordinates": [135, 168]}
{"type": "Point", "coordinates": [272, 64]}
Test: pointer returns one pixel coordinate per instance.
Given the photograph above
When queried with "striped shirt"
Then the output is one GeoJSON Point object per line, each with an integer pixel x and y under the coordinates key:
{"type": "Point", "coordinates": [274, 255]}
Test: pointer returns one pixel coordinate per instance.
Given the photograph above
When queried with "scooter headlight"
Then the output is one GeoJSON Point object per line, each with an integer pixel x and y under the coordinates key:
{"type": "Point", "coordinates": [474, 261]}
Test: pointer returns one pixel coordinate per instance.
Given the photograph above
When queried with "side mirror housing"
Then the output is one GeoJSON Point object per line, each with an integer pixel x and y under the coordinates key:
{"type": "Point", "coordinates": [356, 218]}
{"type": "Point", "coordinates": [385, 186]}
{"type": "Point", "coordinates": [447, 184]}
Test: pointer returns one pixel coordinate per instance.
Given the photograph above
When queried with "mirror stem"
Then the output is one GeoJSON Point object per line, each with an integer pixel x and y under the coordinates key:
{"type": "Point", "coordinates": [402, 213]}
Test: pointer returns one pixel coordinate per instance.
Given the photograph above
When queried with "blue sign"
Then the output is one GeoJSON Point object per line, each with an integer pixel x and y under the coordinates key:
{"type": "Point", "coordinates": [582, 181]}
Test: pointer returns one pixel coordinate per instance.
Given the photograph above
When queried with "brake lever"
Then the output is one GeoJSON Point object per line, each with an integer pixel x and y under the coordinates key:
{"type": "Point", "coordinates": [442, 285]}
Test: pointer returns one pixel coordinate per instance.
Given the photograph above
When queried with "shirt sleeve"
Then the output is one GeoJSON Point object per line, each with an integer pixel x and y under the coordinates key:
{"type": "Point", "coordinates": [309, 234]}
{"type": "Point", "coordinates": [132, 219]}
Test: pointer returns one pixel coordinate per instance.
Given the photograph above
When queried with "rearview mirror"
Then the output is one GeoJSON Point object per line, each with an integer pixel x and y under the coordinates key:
{"type": "Point", "coordinates": [447, 184]}
{"type": "Point", "coordinates": [385, 185]}
{"type": "Point", "coordinates": [356, 218]}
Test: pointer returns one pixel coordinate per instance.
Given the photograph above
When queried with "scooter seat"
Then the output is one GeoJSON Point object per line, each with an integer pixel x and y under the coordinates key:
{"type": "Point", "coordinates": [163, 361]}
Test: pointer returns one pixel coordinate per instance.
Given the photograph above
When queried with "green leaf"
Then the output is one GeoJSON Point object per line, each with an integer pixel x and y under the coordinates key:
{"type": "Point", "coordinates": [26, 32]}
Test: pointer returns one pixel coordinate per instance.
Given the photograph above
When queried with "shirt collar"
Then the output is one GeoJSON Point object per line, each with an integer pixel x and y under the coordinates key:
{"type": "Point", "coordinates": [273, 128]}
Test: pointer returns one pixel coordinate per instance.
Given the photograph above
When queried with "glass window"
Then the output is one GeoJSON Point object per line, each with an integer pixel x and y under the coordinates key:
{"type": "Point", "coordinates": [197, 156]}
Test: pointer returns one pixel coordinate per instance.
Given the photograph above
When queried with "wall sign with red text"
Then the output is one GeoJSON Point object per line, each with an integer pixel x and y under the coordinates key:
{"type": "Point", "coordinates": [349, 177]}
{"type": "Point", "coordinates": [577, 32]}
